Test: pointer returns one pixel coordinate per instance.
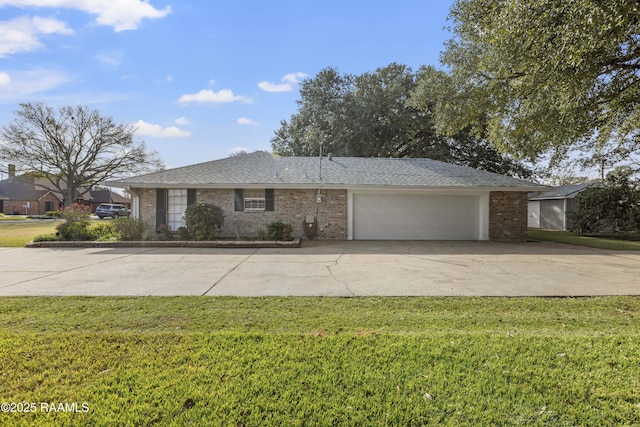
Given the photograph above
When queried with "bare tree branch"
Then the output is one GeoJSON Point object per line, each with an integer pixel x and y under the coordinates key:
{"type": "Point", "coordinates": [75, 148]}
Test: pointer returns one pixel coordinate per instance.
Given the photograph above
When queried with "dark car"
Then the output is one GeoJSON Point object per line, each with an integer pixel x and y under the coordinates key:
{"type": "Point", "coordinates": [114, 211]}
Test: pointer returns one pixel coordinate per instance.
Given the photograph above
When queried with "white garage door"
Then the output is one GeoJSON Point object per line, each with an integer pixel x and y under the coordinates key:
{"type": "Point", "coordinates": [415, 217]}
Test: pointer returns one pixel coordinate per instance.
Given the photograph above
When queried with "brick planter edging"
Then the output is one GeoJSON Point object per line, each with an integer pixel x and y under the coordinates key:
{"type": "Point", "coordinates": [295, 243]}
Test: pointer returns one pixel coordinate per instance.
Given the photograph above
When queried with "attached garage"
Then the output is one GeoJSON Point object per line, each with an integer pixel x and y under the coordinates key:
{"type": "Point", "coordinates": [417, 217]}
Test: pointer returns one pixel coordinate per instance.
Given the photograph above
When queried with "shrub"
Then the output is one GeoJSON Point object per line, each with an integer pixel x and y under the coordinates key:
{"type": "Point", "coordinates": [76, 223]}
{"type": "Point", "coordinates": [203, 219]}
{"type": "Point", "coordinates": [164, 232]}
{"type": "Point", "coordinates": [102, 231]}
{"type": "Point", "coordinates": [74, 230]}
{"type": "Point", "coordinates": [183, 233]}
{"type": "Point", "coordinates": [277, 230]}
{"type": "Point", "coordinates": [51, 237]}
{"type": "Point", "coordinates": [129, 229]}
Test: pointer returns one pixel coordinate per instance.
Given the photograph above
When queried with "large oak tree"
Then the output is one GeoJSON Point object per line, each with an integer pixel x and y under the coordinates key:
{"type": "Point", "coordinates": [543, 76]}
{"type": "Point", "coordinates": [369, 115]}
{"type": "Point", "coordinates": [74, 148]}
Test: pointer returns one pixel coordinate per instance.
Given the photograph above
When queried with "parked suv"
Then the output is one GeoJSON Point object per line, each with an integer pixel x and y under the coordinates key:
{"type": "Point", "coordinates": [114, 211]}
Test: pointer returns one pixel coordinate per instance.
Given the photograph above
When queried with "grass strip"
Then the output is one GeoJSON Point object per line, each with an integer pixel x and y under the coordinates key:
{"type": "Point", "coordinates": [322, 361]}
{"type": "Point", "coordinates": [575, 239]}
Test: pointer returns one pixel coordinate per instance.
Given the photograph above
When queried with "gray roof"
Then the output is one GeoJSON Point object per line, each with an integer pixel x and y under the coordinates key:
{"type": "Point", "coordinates": [20, 189]}
{"type": "Point", "coordinates": [265, 169]}
{"type": "Point", "coordinates": [564, 192]}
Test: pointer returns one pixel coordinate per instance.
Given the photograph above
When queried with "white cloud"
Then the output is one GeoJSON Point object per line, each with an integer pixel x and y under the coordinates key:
{"type": "Point", "coordinates": [5, 79]}
{"type": "Point", "coordinates": [157, 131]}
{"type": "Point", "coordinates": [119, 14]}
{"type": "Point", "coordinates": [207, 95]}
{"type": "Point", "coordinates": [182, 121]}
{"type": "Point", "coordinates": [290, 80]}
{"type": "Point", "coordinates": [22, 84]}
{"type": "Point", "coordinates": [114, 57]}
{"type": "Point", "coordinates": [22, 34]}
{"type": "Point", "coordinates": [246, 121]}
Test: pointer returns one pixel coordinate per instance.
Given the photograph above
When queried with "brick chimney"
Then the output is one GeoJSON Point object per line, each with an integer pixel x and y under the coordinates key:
{"type": "Point", "coordinates": [12, 171]}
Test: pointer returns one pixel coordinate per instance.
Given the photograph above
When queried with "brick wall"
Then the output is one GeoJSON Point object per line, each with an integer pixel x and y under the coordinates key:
{"type": "Point", "coordinates": [290, 206]}
{"type": "Point", "coordinates": [508, 216]}
{"type": "Point", "coordinates": [16, 207]}
{"type": "Point", "coordinates": [147, 206]}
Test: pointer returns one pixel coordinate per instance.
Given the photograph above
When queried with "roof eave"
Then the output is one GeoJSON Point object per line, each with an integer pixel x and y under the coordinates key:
{"type": "Point", "coordinates": [321, 185]}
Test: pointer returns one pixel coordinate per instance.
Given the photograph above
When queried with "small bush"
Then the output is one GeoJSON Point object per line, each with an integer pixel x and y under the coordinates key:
{"type": "Point", "coordinates": [130, 229]}
{"type": "Point", "coordinates": [74, 231]}
{"type": "Point", "coordinates": [203, 219]}
{"type": "Point", "coordinates": [183, 233]}
{"type": "Point", "coordinates": [164, 232]}
{"type": "Point", "coordinates": [102, 231]}
{"type": "Point", "coordinates": [262, 234]}
{"type": "Point", "coordinates": [51, 237]}
{"type": "Point", "coordinates": [76, 223]}
{"type": "Point", "coordinates": [277, 230]}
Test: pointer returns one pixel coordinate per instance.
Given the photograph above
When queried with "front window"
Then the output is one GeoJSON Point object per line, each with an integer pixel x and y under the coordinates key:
{"type": "Point", "coordinates": [254, 200]}
{"type": "Point", "coordinates": [176, 207]}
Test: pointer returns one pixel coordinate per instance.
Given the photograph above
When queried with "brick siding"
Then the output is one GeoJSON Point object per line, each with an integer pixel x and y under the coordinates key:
{"type": "Point", "coordinates": [507, 213]}
{"type": "Point", "coordinates": [38, 207]}
{"type": "Point", "coordinates": [290, 206]}
{"type": "Point", "coordinates": [508, 216]}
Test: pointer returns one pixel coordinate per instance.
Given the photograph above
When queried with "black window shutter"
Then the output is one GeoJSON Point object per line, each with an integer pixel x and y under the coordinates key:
{"type": "Point", "coordinates": [268, 199]}
{"type": "Point", "coordinates": [161, 207]}
{"type": "Point", "coordinates": [238, 199]}
{"type": "Point", "coordinates": [191, 196]}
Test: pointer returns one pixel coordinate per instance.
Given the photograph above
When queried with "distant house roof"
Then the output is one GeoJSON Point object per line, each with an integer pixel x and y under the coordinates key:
{"type": "Point", "coordinates": [564, 192]}
{"type": "Point", "coordinates": [265, 169]}
{"type": "Point", "coordinates": [106, 196]}
{"type": "Point", "coordinates": [21, 189]}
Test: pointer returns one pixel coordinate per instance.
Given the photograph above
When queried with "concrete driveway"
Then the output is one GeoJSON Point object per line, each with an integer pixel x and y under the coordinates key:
{"type": "Point", "coordinates": [325, 269]}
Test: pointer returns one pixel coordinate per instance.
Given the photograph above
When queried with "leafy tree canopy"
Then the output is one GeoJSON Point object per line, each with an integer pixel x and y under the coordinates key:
{"type": "Point", "coordinates": [74, 148]}
{"type": "Point", "coordinates": [370, 115]}
{"type": "Point", "coordinates": [615, 206]}
{"type": "Point", "coordinates": [543, 76]}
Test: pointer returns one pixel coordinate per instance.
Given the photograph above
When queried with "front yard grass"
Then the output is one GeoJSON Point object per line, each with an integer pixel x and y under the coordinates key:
{"type": "Point", "coordinates": [322, 361]}
{"type": "Point", "coordinates": [4, 217]}
{"type": "Point", "coordinates": [578, 240]}
{"type": "Point", "coordinates": [19, 234]}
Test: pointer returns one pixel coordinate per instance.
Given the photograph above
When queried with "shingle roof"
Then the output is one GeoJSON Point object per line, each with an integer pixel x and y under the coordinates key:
{"type": "Point", "coordinates": [266, 169]}
{"type": "Point", "coordinates": [564, 192]}
{"type": "Point", "coordinates": [106, 196]}
{"type": "Point", "coordinates": [20, 189]}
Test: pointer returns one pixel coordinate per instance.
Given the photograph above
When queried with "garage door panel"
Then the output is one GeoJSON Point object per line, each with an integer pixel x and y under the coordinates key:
{"type": "Point", "coordinates": [415, 217]}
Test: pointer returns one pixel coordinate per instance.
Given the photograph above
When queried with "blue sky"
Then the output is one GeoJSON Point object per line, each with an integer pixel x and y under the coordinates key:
{"type": "Point", "coordinates": [201, 79]}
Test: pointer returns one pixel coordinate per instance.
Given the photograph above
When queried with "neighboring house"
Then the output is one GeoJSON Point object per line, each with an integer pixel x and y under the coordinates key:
{"type": "Point", "coordinates": [23, 197]}
{"type": "Point", "coordinates": [342, 197]}
{"type": "Point", "coordinates": [107, 196]}
{"type": "Point", "coordinates": [549, 209]}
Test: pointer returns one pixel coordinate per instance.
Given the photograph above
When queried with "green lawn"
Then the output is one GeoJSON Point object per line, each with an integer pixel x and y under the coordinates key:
{"type": "Point", "coordinates": [12, 217]}
{"type": "Point", "coordinates": [19, 234]}
{"type": "Point", "coordinates": [322, 361]}
{"type": "Point", "coordinates": [576, 239]}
